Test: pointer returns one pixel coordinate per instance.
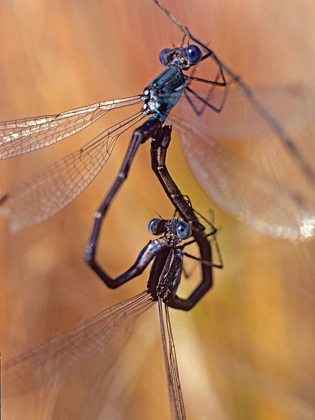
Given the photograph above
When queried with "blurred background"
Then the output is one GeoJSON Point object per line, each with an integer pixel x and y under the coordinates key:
{"type": "Point", "coordinates": [247, 351]}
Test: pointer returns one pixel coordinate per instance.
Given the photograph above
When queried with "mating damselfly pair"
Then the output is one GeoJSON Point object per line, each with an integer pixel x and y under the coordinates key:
{"type": "Point", "coordinates": [279, 211]}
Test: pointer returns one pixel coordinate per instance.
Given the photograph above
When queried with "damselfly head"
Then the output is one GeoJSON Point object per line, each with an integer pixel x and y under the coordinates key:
{"type": "Point", "coordinates": [177, 231]}
{"type": "Point", "coordinates": [173, 228]}
{"type": "Point", "coordinates": [185, 57]}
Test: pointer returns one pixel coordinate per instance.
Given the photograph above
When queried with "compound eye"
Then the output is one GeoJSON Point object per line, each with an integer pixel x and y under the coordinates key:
{"type": "Point", "coordinates": [183, 230]}
{"type": "Point", "coordinates": [193, 53]}
{"type": "Point", "coordinates": [164, 56]}
{"type": "Point", "coordinates": [156, 226]}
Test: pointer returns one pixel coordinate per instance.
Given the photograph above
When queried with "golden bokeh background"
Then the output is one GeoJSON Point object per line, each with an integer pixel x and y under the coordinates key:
{"type": "Point", "coordinates": [247, 351]}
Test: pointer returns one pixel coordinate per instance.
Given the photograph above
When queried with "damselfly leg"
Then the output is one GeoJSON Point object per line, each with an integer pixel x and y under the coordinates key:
{"type": "Point", "coordinates": [54, 360]}
{"type": "Point", "coordinates": [159, 146]}
{"type": "Point", "coordinates": [50, 191]}
{"type": "Point", "coordinates": [288, 142]}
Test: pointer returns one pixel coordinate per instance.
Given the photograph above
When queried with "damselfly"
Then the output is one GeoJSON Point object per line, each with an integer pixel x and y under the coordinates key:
{"type": "Point", "coordinates": [282, 211]}
{"type": "Point", "coordinates": [51, 362]}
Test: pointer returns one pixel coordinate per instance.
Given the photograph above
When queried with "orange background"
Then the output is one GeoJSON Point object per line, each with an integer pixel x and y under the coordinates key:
{"type": "Point", "coordinates": [247, 351]}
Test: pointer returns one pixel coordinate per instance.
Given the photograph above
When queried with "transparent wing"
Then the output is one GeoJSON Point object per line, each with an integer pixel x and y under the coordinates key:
{"type": "Point", "coordinates": [257, 198]}
{"type": "Point", "coordinates": [276, 126]}
{"type": "Point", "coordinates": [56, 358]}
{"type": "Point", "coordinates": [51, 190]}
{"type": "Point", "coordinates": [291, 105]}
{"type": "Point", "coordinates": [174, 387]}
{"type": "Point", "coordinates": [26, 135]}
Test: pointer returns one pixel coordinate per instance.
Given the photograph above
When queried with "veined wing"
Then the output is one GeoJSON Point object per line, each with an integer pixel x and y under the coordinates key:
{"type": "Point", "coordinates": [249, 195]}
{"type": "Point", "coordinates": [48, 192]}
{"type": "Point", "coordinates": [26, 135]}
{"type": "Point", "coordinates": [292, 105]}
{"type": "Point", "coordinates": [52, 361]}
{"type": "Point", "coordinates": [174, 387]}
{"type": "Point", "coordinates": [273, 128]}
{"type": "Point", "coordinates": [268, 117]}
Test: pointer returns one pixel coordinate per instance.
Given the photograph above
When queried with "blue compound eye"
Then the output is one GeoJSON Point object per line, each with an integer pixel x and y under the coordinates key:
{"type": "Point", "coordinates": [164, 55]}
{"type": "Point", "coordinates": [193, 53]}
{"type": "Point", "coordinates": [183, 230]}
{"type": "Point", "coordinates": [156, 226]}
